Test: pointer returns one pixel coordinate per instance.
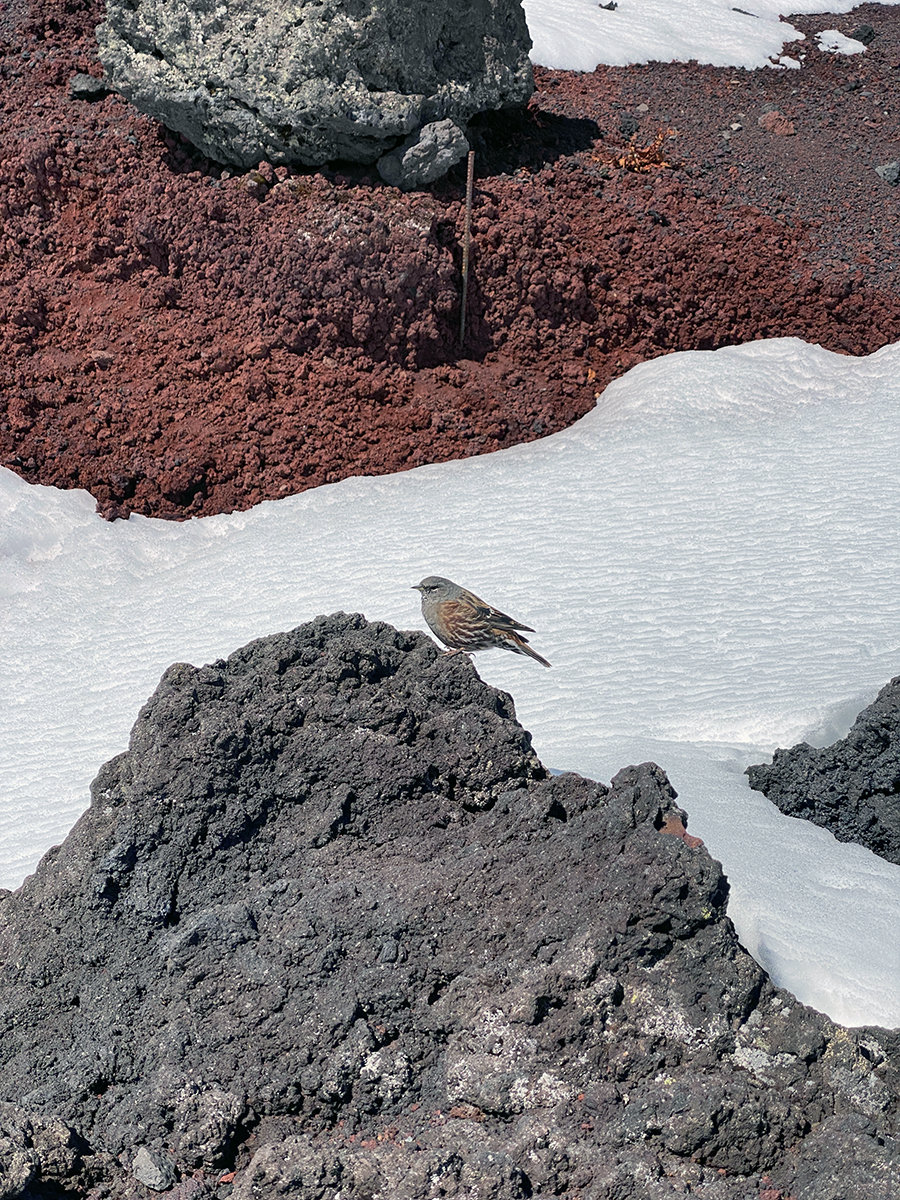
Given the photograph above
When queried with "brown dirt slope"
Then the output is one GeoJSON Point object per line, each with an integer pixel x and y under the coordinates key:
{"type": "Point", "coordinates": [183, 341]}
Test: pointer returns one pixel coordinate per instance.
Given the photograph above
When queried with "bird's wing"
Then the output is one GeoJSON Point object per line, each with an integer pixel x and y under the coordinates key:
{"type": "Point", "coordinates": [460, 622]}
{"type": "Point", "coordinates": [496, 618]}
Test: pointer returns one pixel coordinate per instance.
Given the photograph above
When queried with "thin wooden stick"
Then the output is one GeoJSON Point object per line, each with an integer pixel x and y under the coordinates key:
{"type": "Point", "coordinates": [467, 238]}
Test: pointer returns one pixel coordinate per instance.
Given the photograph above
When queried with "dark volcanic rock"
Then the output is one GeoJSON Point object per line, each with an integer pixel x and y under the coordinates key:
{"type": "Point", "coordinates": [852, 787]}
{"type": "Point", "coordinates": [86, 87]}
{"type": "Point", "coordinates": [329, 925]}
{"type": "Point", "coordinates": [865, 34]}
{"type": "Point", "coordinates": [307, 81]}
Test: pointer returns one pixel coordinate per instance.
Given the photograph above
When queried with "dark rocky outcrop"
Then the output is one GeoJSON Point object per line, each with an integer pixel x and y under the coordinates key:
{"type": "Point", "coordinates": [329, 926]}
{"type": "Point", "coordinates": [852, 787]}
{"type": "Point", "coordinates": [303, 82]}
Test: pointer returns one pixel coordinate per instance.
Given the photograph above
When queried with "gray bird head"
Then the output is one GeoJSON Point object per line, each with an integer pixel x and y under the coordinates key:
{"type": "Point", "coordinates": [436, 587]}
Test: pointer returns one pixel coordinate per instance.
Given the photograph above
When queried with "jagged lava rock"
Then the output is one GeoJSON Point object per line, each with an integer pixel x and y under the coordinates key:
{"type": "Point", "coordinates": [852, 787]}
{"type": "Point", "coordinates": [328, 923]}
{"type": "Point", "coordinates": [302, 82]}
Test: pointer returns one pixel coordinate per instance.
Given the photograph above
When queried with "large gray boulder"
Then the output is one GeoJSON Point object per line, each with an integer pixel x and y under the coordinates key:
{"type": "Point", "coordinates": [304, 82]}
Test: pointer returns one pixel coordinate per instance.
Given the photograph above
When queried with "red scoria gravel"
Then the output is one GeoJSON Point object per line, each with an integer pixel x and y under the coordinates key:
{"type": "Point", "coordinates": [182, 340]}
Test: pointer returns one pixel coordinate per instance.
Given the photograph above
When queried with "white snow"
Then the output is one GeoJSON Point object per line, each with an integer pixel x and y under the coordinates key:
{"type": "Point", "coordinates": [576, 35]}
{"type": "Point", "coordinates": [710, 557]}
{"type": "Point", "coordinates": [837, 43]}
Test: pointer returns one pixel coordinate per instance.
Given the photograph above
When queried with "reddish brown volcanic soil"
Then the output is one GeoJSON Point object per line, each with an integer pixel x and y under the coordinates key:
{"type": "Point", "coordinates": [181, 341]}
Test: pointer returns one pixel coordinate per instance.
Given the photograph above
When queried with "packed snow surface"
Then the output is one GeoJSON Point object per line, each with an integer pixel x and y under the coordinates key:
{"type": "Point", "coordinates": [709, 557]}
{"type": "Point", "coordinates": [838, 43]}
{"type": "Point", "coordinates": [577, 35]}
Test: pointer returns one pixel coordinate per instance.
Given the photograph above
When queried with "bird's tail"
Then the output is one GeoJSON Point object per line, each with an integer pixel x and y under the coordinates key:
{"type": "Point", "coordinates": [520, 646]}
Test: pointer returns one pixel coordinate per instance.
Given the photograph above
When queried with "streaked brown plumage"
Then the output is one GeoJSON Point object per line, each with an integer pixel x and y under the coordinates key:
{"type": "Point", "coordinates": [464, 623]}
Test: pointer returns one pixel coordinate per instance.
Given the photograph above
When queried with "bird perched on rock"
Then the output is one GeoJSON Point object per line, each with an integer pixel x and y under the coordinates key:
{"type": "Point", "coordinates": [464, 623]}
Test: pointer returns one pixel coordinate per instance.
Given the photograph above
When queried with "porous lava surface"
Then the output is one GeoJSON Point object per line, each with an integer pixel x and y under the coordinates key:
{"type": "Point", "coordinates": [183, 341]}
{"type": "Point", "coordinates": [329, 930]}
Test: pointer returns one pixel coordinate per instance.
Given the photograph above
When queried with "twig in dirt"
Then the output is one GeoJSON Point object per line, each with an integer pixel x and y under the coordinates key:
{"type": "Point", "coordinates": [467, 237]}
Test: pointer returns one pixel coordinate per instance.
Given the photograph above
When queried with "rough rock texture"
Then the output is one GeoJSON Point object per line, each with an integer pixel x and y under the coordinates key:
{"type": "Point", "coordinates": [182, 343]}
{"type": "Point", "coordinates": [328, 929]}
{"type": "Point", "coordinates": [425, 156]}
{"type": "Point", "coordinates": [851, 787]}
{"type": "Point", "coordinates": [303, 82]}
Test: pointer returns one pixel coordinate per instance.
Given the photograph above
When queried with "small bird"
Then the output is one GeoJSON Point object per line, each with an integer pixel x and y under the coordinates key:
{"type": "Point", "coordinates": [464, 623]}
